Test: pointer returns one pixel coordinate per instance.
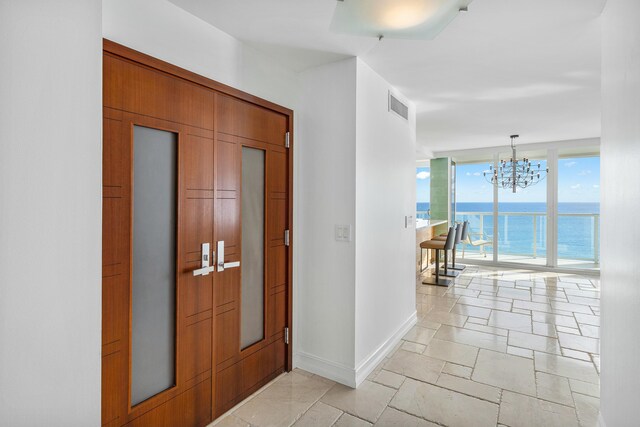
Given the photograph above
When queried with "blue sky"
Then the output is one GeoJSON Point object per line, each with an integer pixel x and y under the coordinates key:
{"type": "Point", "coordinates": [422, 184]}
{"type": "Point", "coordinates": [578, 181]}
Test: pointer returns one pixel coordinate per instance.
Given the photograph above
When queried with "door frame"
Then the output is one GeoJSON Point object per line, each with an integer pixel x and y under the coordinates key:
{"type": "Point", "coordinates": [130, 55]}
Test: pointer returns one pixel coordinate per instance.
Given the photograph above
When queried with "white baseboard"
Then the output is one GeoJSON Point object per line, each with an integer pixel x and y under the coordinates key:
{"type": "Point", "coordinates": [325, 368]}
{"type": "Point", "coordinates": [348, 375]}
{"type": "Point", "coordinates": [369, 363]}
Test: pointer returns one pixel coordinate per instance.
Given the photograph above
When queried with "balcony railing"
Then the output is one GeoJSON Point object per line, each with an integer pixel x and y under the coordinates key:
{"type": "Point", "coordinates": [523, 235]}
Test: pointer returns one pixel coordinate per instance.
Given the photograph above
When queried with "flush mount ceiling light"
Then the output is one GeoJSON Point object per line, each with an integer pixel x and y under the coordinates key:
{"type": "Point", "coordinates": [401, 19]}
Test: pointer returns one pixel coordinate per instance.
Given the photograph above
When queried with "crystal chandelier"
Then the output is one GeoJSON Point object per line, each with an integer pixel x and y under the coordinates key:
{"type": "Point", "coordinates": [514, 173]}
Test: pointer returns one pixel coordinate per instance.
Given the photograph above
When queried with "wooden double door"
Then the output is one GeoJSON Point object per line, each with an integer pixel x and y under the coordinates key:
{"type": "Point", "coordinates": [196, 255]}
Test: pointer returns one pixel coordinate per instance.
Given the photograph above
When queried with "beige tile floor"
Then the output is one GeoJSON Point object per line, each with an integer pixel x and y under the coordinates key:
{"type": "Point", "coordinates": [498, 348]}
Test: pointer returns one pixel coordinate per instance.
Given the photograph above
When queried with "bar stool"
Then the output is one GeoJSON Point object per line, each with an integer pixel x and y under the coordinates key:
{"type": "Point", "coordinates": [446, 270]}
{"type": "Point", "coordinates": [462, 230]}
{"type": "Point", "coordinates": [439, 245]}
{"type": "Point", "coordinates": [465, 234]}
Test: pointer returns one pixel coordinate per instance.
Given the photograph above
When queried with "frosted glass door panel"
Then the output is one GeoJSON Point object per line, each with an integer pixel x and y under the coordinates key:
{"type": "Point", "coordinates": [153, 321]}
{"type": "Point", "coordinates": [252, 329]}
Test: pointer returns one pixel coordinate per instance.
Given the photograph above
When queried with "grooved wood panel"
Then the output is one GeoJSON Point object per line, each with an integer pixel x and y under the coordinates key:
{"type": "Point", "coordinates": [228, 164]}
{"type": "Point", "coordinates": [228, 334]}
{"type": "Point", "coordinates": [213, 122]}
{"type": "Point", "coordinates": [226, 289]}
{"type": "Point", "coordinates": [253, 371]}
{"type": "Point", "coordinates": [278, 274]}
{"type": "Point", "coordinates": [194, 303]}
{"type": "Point", "coordinates": [200, 158]}
{"type": "Point", "coordinates": [197, 348]}
{"type": "Point", "coordinates": [142, 90]}
{"type": "Point", "coordinates": [113, 392]}
{"type": "Point", "coordinates": [115, 301]}
{"type": "Point", "coordinates": [112, 76]}
{"type": "Point", "coordinates": [228, 388]}
{"type": "Point", "coordinates": [240, 124]}
{"type": "Point", "coordinates": [116, 224]}
{"type": "Point", "coordinates": [277, 209]}
{"type": "Point", "coordinates": [247, 120]}
{"type": "Point", "coordinates": [198, 224]}
{"type": "Point", "coordinates": [228, 222]}
{"type": "Point", "coordinates": [199, 292]}
{"type": "Point", "coordinates": [188, 409]}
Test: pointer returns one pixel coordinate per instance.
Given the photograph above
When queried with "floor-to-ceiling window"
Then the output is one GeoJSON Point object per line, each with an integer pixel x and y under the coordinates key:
{"type": "Point", "coordinates": [554, 223]}
{"type": "Point", "coordinates": [474, 200]}
{"type": "Point", "coordinates": [423, 191]}
{"type": "Point", "coordinates": [578, 211]}
{"type": "Point", "coordinates": [522, 219]}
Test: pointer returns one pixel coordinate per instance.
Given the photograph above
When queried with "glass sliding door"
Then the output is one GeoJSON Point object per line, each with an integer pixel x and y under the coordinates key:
{"type": "Point", "coordinates": [554, 223]}
{"type": "Point", "coordinates": [522, 219]}
{"type": "Point", "coordinates": [578, 230]}
{"type": "Point", "coordinates": [474, 203]}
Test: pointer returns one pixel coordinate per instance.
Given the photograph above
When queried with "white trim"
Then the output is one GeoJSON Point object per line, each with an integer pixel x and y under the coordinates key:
{"type": "Point", "coordinates": [369, 363]}
{"type": "Point", "coordinates": [552, 207]}
{"type": "Point", "coordinates": [449, 201]}
{"type": "Point", "coordinates": [345, 374]}
{"type": "Point", "coordinates": [325, 368]}
{"type": "Point", "coordinates": [496, 208]}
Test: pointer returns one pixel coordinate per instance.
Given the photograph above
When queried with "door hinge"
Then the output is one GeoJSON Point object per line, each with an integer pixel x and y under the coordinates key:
{"type": "Point", "coordinates": [286, 237]}
{"type": "Point", "coordinates": [286, 335]}
{"type": "Point", "coordinates": [287, 142]}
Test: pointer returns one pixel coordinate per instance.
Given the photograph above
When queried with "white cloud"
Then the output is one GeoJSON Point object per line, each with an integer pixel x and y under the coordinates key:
{"type": "Point", "coordinates": [468, 173]}
{"type": "Point", "coordinates": [584, 172]}
{"type": "Point", "coordinates": [477, 174]}
{"type": "Point", "coordinates": [575, 187]}
{"type": "Point", "coordinates": [596, 186]}
{"type": "Point", "coordinates": [423, 175]}
{"type": "Point", "coordinates": [570, 164]}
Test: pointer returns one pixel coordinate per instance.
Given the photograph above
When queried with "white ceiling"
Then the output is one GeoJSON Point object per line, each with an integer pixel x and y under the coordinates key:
{"type": "Point", "coordinates": [506, 66]}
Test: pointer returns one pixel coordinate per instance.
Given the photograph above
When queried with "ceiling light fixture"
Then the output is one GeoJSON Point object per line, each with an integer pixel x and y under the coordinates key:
{"type": "Point", "coordinates": [513, 173]}
{"type": "Point", "coordinates": [401, 19]}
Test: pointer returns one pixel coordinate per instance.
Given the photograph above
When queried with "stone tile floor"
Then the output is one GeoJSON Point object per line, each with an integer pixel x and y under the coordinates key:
{"type": "Point", "coordinates": [498, 348]}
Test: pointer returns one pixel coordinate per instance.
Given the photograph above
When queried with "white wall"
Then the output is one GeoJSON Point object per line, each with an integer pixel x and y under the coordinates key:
{"type": "Point", "coordinates": [354, 300]}
{"type": "Point", "coordinates": [620, 244]}
{"type": "Point", "coordinates": [325, 292]}
{"type": "Point", "coordinates": [165, 31]}
{"type": "Point", "coordinates": [50, 212]}
{"type": "Point", "coordinates": [385, 193]}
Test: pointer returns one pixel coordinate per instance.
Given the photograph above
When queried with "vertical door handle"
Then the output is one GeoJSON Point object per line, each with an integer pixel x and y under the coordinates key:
{"type": "Point", "coordinates": [205, 267]}
{"type": "Point", "coordinates": [221, 264]}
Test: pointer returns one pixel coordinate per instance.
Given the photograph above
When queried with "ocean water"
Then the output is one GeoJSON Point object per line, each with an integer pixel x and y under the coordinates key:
{"type": "Point", "coordinates": [526, 233]}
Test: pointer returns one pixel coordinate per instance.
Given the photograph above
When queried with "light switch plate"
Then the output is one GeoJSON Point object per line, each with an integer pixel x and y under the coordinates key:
{"type": "Point", "coordinates": [343, 233]}
{"type": "Point", "coordinates": [408, 221]}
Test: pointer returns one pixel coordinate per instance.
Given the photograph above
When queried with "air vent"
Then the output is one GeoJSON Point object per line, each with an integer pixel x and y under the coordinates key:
{"type": "Point", "coordinates": [398, 107]}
